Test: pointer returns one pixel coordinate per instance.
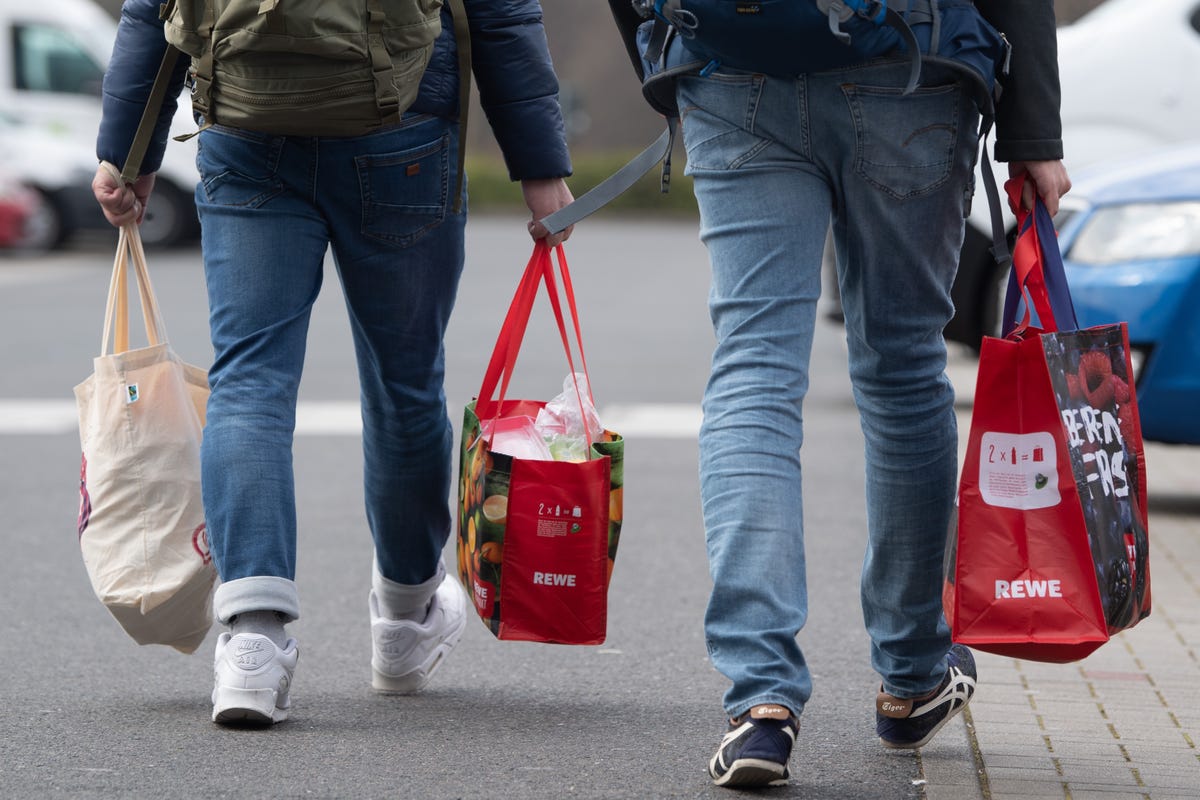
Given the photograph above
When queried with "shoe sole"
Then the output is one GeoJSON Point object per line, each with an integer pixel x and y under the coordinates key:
{"type": "Point", "coordinates": [416, 680]}
{"type": "Point", "coordinates": [926, 740]}
{"type": "Point", "coordinates": [747, 772]}
{"type": "Point", "coordinates": [246, 707]}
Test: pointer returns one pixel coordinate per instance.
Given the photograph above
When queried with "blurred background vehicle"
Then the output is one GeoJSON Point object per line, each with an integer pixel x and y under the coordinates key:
{"type": "Point", "coordinates": [52, 60]}
{"type": "Point", "coordinates": [57, 169]}
{"type": "Point", "coordinates": [1130, 237]}
{"type": "Point", "coordinates": [17, 205]}
{"type": "Point", "coordinates": [1128, 72]}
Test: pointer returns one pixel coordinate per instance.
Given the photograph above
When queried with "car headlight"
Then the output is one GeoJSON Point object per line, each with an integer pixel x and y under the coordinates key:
{"type": "Point", "coordinates": [1137, 359]}
{"type": "Point", "coordinates": [1138, 231]}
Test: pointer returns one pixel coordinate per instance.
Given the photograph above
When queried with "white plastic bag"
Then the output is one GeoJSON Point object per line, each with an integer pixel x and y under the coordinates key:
{"type": "Point", "coordinates": [561, 421]}
{"type": "Point", "coordinates": [516, 436]}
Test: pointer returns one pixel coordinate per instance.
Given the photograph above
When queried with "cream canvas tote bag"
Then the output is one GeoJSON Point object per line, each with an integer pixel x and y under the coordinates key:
{"type": "Point", "coordinates": [141, 519]}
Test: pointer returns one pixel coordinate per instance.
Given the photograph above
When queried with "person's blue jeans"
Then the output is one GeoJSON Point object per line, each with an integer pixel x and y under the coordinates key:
{"type": "Point", "coordinates": [270, 207]}
{"type": "Point", "coordinates": [773, 161]}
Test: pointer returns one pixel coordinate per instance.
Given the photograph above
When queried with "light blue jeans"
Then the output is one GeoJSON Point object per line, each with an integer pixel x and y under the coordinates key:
{"type": "Point", "coordinates": [270, 207]}
{"type": "Point", "coordinates": [774, 160]}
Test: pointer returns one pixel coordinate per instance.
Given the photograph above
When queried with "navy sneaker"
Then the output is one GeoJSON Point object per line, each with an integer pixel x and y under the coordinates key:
{"type": "Point", "coordinates": [906, 724]}
{"type": "Point", "coordinates": [756, 749]}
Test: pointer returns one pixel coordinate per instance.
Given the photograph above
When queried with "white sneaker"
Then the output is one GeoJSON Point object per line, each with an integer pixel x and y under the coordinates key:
{"type": "Point", "coordinates": [406, 653]}
{"type": "Point", "coordinates": [252, 679]}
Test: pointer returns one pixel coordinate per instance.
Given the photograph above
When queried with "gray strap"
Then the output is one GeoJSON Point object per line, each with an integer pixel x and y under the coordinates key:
{"type": "Point", "coordinates": [935, 33]}
{"type": "Point", "coordinates": [914, 48]}
{"type": "Point", "coordinates": [611, 187]}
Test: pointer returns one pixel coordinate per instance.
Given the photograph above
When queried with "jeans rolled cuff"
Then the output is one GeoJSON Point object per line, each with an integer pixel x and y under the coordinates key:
{"type": "Point", "coordinates": [771, 699]}
{"type": "Point", "coordinates": [257, 593]}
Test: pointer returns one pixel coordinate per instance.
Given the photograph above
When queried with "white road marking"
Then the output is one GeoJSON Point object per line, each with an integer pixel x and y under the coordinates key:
{"type": "Point", "coordinates": [338, 418]}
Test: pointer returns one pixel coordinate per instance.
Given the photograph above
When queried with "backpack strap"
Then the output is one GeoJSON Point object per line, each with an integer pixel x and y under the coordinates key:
{"type": "Point", "coordinates": [462, 40]}
{"type": "Point", "coordinates": [145, 130]}
{"type": "Point", "coordinates": [203, 75]}
{"type": "Point", "coordinates": [603, 193]}
{"type": "Point", "coordinates": [879, 12]}
{"type": "Point", "coordinates": [386, 99]}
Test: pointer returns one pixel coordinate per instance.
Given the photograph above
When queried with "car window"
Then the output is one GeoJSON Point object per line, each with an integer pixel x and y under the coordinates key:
{"type": "Point", "coordinates": [48, 59]}
{"type": "Point", "coordinates": [1064, 216]}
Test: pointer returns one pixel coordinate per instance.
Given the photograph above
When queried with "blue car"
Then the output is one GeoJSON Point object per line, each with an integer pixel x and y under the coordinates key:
{"type": "Point", "coordinates": [1130, 238]}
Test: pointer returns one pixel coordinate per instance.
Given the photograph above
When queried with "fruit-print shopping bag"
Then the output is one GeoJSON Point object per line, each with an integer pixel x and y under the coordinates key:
{"type": "Point", "coordinates": [537, 537]}
{"type": "Point", "coordinates": [1050, 554]}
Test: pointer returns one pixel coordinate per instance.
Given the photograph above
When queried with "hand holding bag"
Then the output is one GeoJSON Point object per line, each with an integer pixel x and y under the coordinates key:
{"type": "Point", "coordinates": [537, 538]}
{"type": "Point", "coordinates": [1050, 554]}
{"type": "Point", "coordinates": [141, 519]}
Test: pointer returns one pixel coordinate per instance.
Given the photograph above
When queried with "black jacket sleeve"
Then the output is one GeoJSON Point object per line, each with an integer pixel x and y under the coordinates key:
{"type": "Point", "coordinates": [1028, 124]}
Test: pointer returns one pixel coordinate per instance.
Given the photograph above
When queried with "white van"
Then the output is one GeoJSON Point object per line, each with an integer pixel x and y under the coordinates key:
{"type": "Point", "coordinates": [52, 60]}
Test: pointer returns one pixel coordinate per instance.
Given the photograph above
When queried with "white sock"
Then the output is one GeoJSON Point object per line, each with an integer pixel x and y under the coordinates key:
{"type": "Point", "coordinates": [402, 600]}
{"type": "Point", "coordinates": [264, 623]}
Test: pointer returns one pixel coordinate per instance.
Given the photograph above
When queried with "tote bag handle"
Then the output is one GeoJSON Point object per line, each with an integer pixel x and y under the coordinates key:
{"type": "Point", "coordinates": [539, 270]}
{"type": "Point", "coordinates": [1037, 273]}
{"type": "Point", "coordinates": [116, 313]}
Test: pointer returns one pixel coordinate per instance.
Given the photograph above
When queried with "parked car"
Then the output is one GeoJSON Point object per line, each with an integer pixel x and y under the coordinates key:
{"type": "Point", "coordinates": [52, 61]}
{"type": "Point", "coordinates": [1130, 236]}
{"type": "Point", "coordinates": [17, 205]}
{"type": "Point", "coordinates": [1127, 71]}
{"type": "Point", "coordinates": [57, 169]}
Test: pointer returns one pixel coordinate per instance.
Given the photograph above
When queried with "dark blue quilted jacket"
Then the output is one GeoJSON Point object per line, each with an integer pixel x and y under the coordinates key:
{"type": "Point", "coordinates": [510, 61]}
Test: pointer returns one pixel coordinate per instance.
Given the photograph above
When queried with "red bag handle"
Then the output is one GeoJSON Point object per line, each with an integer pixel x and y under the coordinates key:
{"type": "Point", "coordinates": [1037, 270]}
{"type": "Point", "coordinates": [540, 269]}
{"type": "Point", "coordinates": [515, 321]}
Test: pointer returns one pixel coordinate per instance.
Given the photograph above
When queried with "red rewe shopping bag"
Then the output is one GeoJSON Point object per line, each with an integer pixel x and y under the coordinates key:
{"type": "Point", "coordinates": [555, 571]}
{"type": "Point", "coordinates": [537, 537]}
{"type": "Point", "coordinates": [1050, 554]}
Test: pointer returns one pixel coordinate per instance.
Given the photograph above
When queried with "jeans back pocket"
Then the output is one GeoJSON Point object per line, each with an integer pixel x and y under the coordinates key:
{"type": "Point", "coordinates": [905, 144]}
{"type": "Point", "coordinates": [404, 193]}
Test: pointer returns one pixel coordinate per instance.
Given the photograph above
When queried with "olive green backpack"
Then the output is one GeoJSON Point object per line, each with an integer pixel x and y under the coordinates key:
{"type": "Point", "coordinates": [309, 67]}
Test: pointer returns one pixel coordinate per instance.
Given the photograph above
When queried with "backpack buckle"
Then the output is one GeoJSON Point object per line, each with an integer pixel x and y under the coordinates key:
{"type": "Point", "coordinates": [874, 10]}
{"type": "Point", "coordinates": [685, 22]}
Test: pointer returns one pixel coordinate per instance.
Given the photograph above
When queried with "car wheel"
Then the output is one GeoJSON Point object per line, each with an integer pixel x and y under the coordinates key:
{"type": "Point", "coordinates": [45, 229]}
{"type": "Point", "coordinates": [170, 217]}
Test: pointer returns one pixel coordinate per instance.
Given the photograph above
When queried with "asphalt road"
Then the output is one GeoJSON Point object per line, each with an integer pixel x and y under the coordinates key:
{"type": "Point", "coordinates": [85, 712]}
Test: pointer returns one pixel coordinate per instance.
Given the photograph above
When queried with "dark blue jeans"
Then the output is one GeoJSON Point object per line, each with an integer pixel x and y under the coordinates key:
{"type": "Point", "coordinates": [270, 208]}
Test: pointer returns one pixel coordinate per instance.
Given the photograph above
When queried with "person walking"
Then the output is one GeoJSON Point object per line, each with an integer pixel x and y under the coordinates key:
{"type": "Point", "coordinates": [387, 197]}
{"type": "Point", "coordinates": [773, 160]}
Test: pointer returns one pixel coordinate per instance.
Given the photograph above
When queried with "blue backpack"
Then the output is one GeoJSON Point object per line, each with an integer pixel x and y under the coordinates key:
{"type": "Point", "coordinates": [791, 37]}
{"type": "Point", "coordinates": [668, 39]}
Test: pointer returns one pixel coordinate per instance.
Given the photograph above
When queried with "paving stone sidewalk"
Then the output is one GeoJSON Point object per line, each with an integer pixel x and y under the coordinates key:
{"type": "Point", "coordinates": [1122, 723]}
